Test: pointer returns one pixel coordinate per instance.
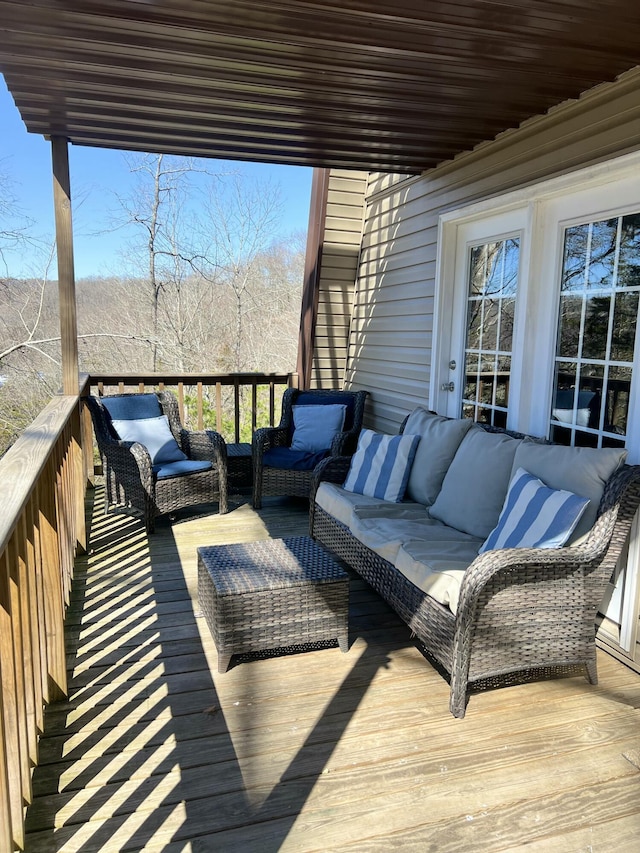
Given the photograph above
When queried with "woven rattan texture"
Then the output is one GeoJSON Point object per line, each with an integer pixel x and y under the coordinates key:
{"type": "Point", "coordinates": [239, 465]}
{"type": "Point", "coordinates": [270, 594]}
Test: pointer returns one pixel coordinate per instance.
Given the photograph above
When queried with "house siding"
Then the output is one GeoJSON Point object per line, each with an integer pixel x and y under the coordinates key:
{"type": "Point", "coordinates": [389, 349]}
{"type": "Point", "coordinates": [340, 256]}
{"type": "Point", "coordinates": [390, 342]}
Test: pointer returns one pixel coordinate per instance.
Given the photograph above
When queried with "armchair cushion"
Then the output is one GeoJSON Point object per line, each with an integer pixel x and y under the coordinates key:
{"type": "Point", "coordinates": [381, 464]}
{"type": "Point", "coordinates": [340, 398]}
{"type": "Point", "coordinates": [179, 468]}
{"type": "Point", "coordinates": [292, 460]}
{"type": "Point", "coordinates": [535, 516]}
{"type": "Point", "coordinates": [155, 434]}
{"type": "Point", "coordinates": [129, 407]}
{"type": "Point", "coordinates": [314, 427]}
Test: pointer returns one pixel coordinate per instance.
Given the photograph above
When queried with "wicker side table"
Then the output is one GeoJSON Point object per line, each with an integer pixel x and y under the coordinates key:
{"type": "Point", "coordinates": [239, 466]}
{"type": "Point", "coordinates": [271, 594]}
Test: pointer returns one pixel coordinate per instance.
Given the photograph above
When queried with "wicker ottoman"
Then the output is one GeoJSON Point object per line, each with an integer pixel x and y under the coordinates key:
{"type": "Point", "coordinates": [272, 594]}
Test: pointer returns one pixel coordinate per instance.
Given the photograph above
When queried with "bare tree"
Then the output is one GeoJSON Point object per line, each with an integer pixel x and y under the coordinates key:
{"type": "Point", "coordinates": [242, 219]}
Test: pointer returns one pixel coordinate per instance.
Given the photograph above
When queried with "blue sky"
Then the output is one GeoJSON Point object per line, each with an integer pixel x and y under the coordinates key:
{"type": "Point", "coordinates": [95, 174]}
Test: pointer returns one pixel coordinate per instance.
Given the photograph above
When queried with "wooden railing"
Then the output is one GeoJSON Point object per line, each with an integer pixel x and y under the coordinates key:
{"type": "Point", "coordinates": [42, 481]}
{"type": "Point", "coordinates": [234, 404]}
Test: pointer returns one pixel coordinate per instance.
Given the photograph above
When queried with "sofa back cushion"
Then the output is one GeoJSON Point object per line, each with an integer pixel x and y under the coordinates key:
{"type": "Point", "coordinates": [439, 439]}
{"type": "Point", "coordinates": [581, 470]}
{"type": "Point", "coordinates": [475, 486]}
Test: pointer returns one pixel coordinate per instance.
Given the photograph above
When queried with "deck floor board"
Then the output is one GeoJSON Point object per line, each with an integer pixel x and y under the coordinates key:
{"type": "Point", "coordinates": [317, 751]}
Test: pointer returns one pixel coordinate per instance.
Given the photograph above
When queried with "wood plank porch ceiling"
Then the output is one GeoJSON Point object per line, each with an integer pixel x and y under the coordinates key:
{"type": "Point", "coordinates": [363, 84]}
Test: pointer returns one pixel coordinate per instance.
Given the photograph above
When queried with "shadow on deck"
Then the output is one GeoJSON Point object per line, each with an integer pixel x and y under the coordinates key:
{"type": "Point", "coordinates": [316, 751]}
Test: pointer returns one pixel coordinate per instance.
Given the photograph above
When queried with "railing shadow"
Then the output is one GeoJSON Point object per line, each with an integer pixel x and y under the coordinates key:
{"type": "Point", "coordinates": [144, 754]}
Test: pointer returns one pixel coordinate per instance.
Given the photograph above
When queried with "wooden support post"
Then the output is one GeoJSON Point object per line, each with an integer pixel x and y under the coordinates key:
{"type": "Point", "coordinates": [313, 263]}
{"type": "Point", "coordinates": [66, 274]}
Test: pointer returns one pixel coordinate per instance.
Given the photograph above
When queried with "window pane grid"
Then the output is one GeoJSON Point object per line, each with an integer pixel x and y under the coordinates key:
{"type": "Point", "coordinates": [596, 332]}
{"type": "Point", "coordinates": [493, 271]}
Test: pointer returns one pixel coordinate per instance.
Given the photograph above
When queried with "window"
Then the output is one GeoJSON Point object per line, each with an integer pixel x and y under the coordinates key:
{"type": "Point", "coordinates": [491, 299]}
{"type": "Point", "coordinates": [599, 286]}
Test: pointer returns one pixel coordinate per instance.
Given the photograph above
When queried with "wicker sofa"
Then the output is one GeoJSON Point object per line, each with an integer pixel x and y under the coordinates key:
{"type": "Point", "coordinates": [503, 616]}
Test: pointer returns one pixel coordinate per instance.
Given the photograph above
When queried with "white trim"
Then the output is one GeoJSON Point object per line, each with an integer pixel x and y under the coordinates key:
{"type": "Point", "coordinates": [615, 169]}
{"type": "Point", "coordinates": [551, 206]}
{"type": "Point", "coordinates": [455, 240]}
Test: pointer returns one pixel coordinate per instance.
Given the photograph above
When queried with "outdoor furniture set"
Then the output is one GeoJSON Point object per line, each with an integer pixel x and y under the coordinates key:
{"type": "Point", "coordinates": [496, 549]}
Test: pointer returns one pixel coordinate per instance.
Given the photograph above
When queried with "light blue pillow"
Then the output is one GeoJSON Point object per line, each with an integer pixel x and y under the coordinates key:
{"type": "Point", "coordinates": [381, 465]}
{"type": "Point", "coordinates": [155, 434]}
{"type": "Point", "coordinates": [535, 516]}
{"type": "Point", "coordinates": [315, 427]}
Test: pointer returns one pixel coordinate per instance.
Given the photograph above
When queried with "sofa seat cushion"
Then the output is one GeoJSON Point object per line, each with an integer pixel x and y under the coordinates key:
{"type": "Point", "coordinates": [440, 438]}
{"type": "Point", "coordinates": [386, 535]}
{"type": "Point", "coordinates": [341, 504]}
{"type": "Point", "coordinates": [581, 470]}
{"type": "Point", "coordinates": [437, 565]}
{"type": "Point", "coordinates": [475, 486]}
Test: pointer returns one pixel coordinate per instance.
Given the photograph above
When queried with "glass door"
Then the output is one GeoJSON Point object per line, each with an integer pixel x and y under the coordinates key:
{"type": "Point", "coordinates": [491, 303]}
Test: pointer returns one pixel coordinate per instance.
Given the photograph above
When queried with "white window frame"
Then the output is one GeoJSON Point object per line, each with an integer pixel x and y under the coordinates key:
{"type": "Point", "coordinates": [541, 213]}
{"type": "Point", "coordinates": [451, 303]}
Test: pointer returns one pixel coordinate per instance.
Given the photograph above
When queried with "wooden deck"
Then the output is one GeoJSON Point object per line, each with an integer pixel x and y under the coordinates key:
{"type": "Point", "coordinates": [317, 751]}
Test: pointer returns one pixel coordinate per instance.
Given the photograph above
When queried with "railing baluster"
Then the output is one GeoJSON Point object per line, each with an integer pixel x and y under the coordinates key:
{"type": "Point", "coordinates": [181, 400]}
{"type": "Point", "coordinates": [9, 707]}
{"type": "Point", "coordinates": [200, 407]}
{"type": "Point", "coordinates": [34, 616]}
{"type": "Point", "coordinates": [236, 399]}
{"type": "Point", "coordinates": [27, 642]}
{"type": "Point", "coordinates": [254, 407]}
{"type": "Point", "coordinates": [219, 427]}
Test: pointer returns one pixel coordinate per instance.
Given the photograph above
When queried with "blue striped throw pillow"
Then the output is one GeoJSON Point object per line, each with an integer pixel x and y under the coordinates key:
{"type": "Point", "coordinates": [535, 516]}
{"type": "Point", "coordinates": [381, 465]}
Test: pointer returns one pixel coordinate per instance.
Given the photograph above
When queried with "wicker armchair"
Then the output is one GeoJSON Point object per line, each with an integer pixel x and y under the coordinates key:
{"type": "Point", "coordinates": [272, 480]}
{"type": "Point", "coordinates": [132, 482]}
